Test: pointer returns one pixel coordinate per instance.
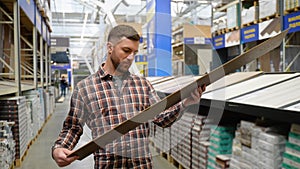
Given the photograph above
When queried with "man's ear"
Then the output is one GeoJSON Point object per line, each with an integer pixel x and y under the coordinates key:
{"type": "Point", "coordinates": [109, 47]}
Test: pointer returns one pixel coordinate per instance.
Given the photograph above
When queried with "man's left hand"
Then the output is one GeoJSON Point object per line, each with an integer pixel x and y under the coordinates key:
{"type": "Point", "coordinates": [195, 96]}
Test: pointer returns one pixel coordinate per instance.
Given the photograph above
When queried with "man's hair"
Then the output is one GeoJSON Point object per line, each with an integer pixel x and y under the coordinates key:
{"type": "Point", "coordinates": [120, 31]}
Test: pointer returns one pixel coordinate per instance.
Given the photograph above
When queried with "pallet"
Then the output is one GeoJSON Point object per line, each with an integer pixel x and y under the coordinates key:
{"type": "Point", "coordinates": [276, 15]}
{"type": "Point", "coordinates": [250, 23]}
{"type": "Point", "coordinates": [232, 29]}
{"type": "Point", "coordinates": [18, 162]}
{"type": "Point", "coordinates": [220, 31]}
{"type": "Point", "coordinates": [164, 155]}
{"type": "Point", "coordinates": [292, 10]}
{"type": "Point", "coordinates": [176, 163]}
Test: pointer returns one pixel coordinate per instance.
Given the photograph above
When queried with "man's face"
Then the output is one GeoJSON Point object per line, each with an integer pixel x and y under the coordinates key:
{"type": "Point", "coordinates": [122, 54]}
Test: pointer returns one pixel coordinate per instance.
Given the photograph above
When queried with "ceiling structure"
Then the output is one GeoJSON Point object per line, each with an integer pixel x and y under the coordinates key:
{"type": "Point", "coordinates": [85, 21]}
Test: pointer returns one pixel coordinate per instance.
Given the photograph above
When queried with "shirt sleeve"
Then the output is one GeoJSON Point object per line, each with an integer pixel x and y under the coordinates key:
{"type": "Point", "coordinates": [167, 117]}
{"type": "Point", "coordinates": [73, 124]}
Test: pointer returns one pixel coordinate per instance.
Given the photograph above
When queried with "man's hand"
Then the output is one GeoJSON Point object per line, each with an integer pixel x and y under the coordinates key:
{"type": "Point", "coordinates": [195, 96]}
{"type": "Point", "coordinates": [60, 157]}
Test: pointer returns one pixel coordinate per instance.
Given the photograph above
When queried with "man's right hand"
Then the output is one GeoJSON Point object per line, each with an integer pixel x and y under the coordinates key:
{"type": "Point", "coordinates": [60, 157]}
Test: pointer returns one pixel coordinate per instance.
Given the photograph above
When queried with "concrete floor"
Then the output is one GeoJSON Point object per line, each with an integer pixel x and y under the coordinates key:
{"type": "Point", "coordinates": [39, 154]}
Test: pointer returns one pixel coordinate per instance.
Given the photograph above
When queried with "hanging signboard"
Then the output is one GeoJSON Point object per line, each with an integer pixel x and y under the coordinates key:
{"type": "Point", "coordinates": [48, 38]}
{"type": "Point", "coordinates": [28, 7]}
{"type": "Point", "coordinates": [38, 20]}
{"type": "Point", "coordinates": [219, 41]}
{"type": "Point", "coordinates": [292, 21]}
{"type": "Point", "coordinates": [232, 38]}
{"type": "Point", "coordinates": [44, 30]}
{"type": "Point", "coordinates": [250, 33]}
{"type": "Point", "coordinates": [197, 40]}
{"type": "Point", "coordinates": [269, 28]}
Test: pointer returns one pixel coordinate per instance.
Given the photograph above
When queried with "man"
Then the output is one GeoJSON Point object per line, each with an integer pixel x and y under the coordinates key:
{"type": "Point", "coordinates": [63, 86]}
{"type": "Point", "coordinates": [109, 97]}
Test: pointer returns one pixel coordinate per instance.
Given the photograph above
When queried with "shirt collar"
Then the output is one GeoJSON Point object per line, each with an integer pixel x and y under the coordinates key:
{"type": "Point", "coordinates": [105, 75]}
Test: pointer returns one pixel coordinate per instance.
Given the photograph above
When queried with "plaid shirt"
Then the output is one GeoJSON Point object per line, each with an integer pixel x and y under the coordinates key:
{"type": "Point", "coordinates": [98, 102]}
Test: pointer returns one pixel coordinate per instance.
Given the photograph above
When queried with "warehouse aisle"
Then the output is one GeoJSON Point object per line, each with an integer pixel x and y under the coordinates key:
{"type": "Point", "coordinates": [39, 154]}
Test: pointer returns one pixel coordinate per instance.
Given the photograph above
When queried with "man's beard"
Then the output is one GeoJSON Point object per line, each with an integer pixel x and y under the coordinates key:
{"type": "Point", "coordinates": [121, 67]}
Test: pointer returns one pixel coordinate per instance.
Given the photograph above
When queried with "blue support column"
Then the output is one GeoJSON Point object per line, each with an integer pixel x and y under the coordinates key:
{"type": "Point", "coordinates": [159, 29]}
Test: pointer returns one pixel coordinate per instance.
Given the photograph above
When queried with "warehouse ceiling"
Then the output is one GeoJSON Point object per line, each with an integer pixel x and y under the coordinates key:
{"type": "Point", "coordinates": [84, 21]}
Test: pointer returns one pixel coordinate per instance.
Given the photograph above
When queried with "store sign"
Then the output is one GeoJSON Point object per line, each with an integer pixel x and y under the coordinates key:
{"type": "Point", "coordinates": [197, 40]}
{"type": "Point", "coordinates": [28, 7]}
{"type": "Point", "coordinates": [38, 20]}
{"type": "Point", "coordinates": [250, 34]}
{"type": "Point", "coordinates": [232, 38]}
{"type": "Point", "coordinates": [292, 21]}
{"type": "Point", "coordinates": [219, 42]}
{"type": "Point", "coordinates": [269, 28]}
{"type": "Point", "coordinates": [60, 66]}
{"type": "Point", "coordinates": [60, 41]}
{"type": "Point", "coordinates": [141, 58]}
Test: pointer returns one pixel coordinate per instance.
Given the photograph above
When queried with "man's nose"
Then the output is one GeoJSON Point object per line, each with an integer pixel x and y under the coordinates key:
{"type": "Point", "coordinates": [131, 56]}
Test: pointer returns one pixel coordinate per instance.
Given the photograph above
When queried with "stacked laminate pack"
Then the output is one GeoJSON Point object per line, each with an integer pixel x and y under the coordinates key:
{"type": "Point", "coordinates": [242, 154]}
{"type": "Point", "coordinates": [14, 109]}
{"type": "Point", "coordinates": [43, 103]}
{"type": "Point", "coordinates": [291, 156]}
{"type": "Point", "coordinates": [158, 137]}
{"type": "Point", "coordinates": [272, 7]}
{"type": "Point", "coordinates": [257, 147]}
{"type": "Point", "coordinates": [221, 138]}
{"type": "Point", "coordinates": [7, 145]}
{"type": "Point", "coordinates": [200, 144]}
{"type": "Point", "coordinates": [291, 4]}
{"type": "Point", "coordinates": [37, 116]}
{"type": "Point", "coordinates": [181, 139]}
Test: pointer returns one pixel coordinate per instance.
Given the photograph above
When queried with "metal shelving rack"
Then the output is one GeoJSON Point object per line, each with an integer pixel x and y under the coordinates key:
{"type": "Point", "coordinates": [288, 55]}
{"type": "Point", "coordinates": [28, 66]}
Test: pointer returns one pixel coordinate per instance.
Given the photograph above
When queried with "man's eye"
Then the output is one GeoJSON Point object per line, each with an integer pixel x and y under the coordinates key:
{"type": "Point", "coordinates": [126, 50]}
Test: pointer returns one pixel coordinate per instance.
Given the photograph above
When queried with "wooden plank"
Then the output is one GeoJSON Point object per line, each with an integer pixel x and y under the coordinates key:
{"type": "Point", "coordinates": [177, 96]}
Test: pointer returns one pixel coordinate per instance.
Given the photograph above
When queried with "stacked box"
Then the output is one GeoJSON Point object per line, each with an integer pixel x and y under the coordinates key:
{"type": "Point", "coordinates": [291, 4]}
{"type": "Point", "coordinates": [158, 139]}
{"type": "Point", "coordinates": [220, 23]}
{"type": "Point", "coordinates": [249, 15]}
{"type": "Point", "coordinates": [254, 143]}
{"type": "Point", "coordinates": [161, 139]}
{"type": "Point", "coordinates": [37, 116]}
{"type": "Point", "coordinates": [181, 139]}
{"type": "Point", "coordinates": [14, 109]}
{"type": "Point", "coordinates": [271, 145]}
{"type": "Point", "coordinates": [246, 132]}
{"type": "Point", "coordinates": [200, 144]}
{"type": "Point", "coordinates": [291, 156]}
{"type": "Point", "coordinates": [151, 130]}
{"type": "Point", "coordinates": [233, 16]}
{"type": "Point", "coordinates": [42, 97]}
{"type": "Point", "coordinates": [166, 140]}
{"type": "Point", "coordinates": [221, 138]}
{"type": "Point", "coordinates": [7, 145]}
{"type": "Point", "coordinates": [268, 8]}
